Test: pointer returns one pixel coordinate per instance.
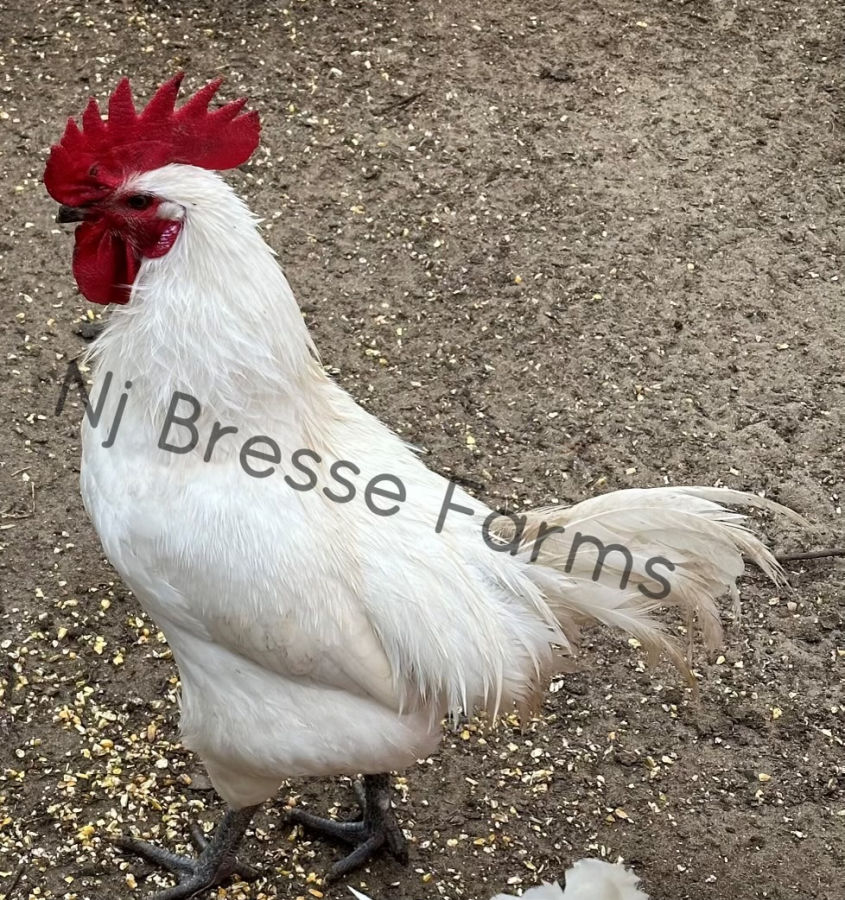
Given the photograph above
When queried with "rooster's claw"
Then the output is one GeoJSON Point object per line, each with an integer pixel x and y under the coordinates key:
{"type": "Point", "coordinates": [376, 828]}
{"type": "Point", "coordinates": [216, 862]}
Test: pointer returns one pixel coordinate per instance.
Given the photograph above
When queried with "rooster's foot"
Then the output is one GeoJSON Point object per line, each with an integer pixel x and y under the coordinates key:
{"type": "Point", "coordinates": [376, 828]}
{"type": "Point", "coordinates": [217, 859]}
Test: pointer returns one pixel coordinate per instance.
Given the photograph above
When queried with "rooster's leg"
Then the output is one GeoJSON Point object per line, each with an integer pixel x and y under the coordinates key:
{"type": "Point", "coordinates": [217, 858]}
{"type": "Point", "coordinates": [376, 828]}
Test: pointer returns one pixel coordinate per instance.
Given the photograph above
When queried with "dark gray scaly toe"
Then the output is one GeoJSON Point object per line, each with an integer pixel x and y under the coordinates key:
{"type": "Point", "coordinates": [216, 862]}
{"type": "Point", "coordinates": [376, 828]}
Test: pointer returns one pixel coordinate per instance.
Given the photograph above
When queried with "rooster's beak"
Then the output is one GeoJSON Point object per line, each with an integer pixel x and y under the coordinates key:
{"type": "Point", "coordinates": [67, 214]}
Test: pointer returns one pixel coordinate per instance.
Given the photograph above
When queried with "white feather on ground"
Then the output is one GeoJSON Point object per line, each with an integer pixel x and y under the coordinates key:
{"type": "Point", "coordinates": [588, 879]}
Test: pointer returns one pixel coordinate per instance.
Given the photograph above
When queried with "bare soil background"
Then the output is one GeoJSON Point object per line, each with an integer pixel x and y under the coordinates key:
{"type": "Point", "coordinates": [566, 247]}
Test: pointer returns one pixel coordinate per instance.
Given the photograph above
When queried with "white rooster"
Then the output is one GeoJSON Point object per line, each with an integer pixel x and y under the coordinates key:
{"type": "Point", "coordinates": [588, 879]}
{"type": "Point", "coordinates": [327, 598]}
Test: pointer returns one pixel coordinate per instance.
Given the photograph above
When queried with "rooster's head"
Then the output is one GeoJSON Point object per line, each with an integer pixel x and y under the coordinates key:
{"type": "Point", "coordinates": [96, 173]}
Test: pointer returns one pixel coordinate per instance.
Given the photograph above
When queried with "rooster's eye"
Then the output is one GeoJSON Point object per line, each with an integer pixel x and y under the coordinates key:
{"type": "Point", "coordinates": [139, 201]}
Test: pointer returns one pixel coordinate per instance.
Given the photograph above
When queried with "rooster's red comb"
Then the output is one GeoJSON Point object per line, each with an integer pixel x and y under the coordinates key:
{"type": "Point", "coordinates": [88, 163]}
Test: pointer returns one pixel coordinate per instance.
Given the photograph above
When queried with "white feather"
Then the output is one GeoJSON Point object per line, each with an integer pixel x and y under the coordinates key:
{"type": "Point", "coordinates": [543, 891]}
{"type": "Point", "coordinates": [594, 879]}
{"type": "Point", "coordinates": [315, 637]}
{"type": "Point", "coordinates": [588, 879]}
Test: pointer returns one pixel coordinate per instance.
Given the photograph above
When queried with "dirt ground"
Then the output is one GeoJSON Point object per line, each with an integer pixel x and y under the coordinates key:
{"type": "Point", "coordinates": [611, 235]}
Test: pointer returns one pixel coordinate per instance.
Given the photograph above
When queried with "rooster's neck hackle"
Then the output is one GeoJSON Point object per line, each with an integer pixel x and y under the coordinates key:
{"type": "Point", "coordinates": [214, 317]}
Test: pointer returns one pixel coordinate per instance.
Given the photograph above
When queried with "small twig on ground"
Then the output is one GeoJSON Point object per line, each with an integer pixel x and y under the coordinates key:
{"type": "Point", "coordinates": [562, 74]}
{"type": "Point", "coordinates": [815, 554]}
{"type": "Point", "coordinates": [399, 103]}
{"type": "Point", "coordinates": [14, 882]}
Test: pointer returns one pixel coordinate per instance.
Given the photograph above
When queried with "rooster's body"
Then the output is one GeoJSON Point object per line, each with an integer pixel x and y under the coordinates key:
{"type": "Point", "coordinates": [314, 634]}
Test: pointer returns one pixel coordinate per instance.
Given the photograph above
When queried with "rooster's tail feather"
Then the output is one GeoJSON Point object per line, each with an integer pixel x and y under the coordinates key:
{"type": "Point", "coordinates": [618, 558]}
